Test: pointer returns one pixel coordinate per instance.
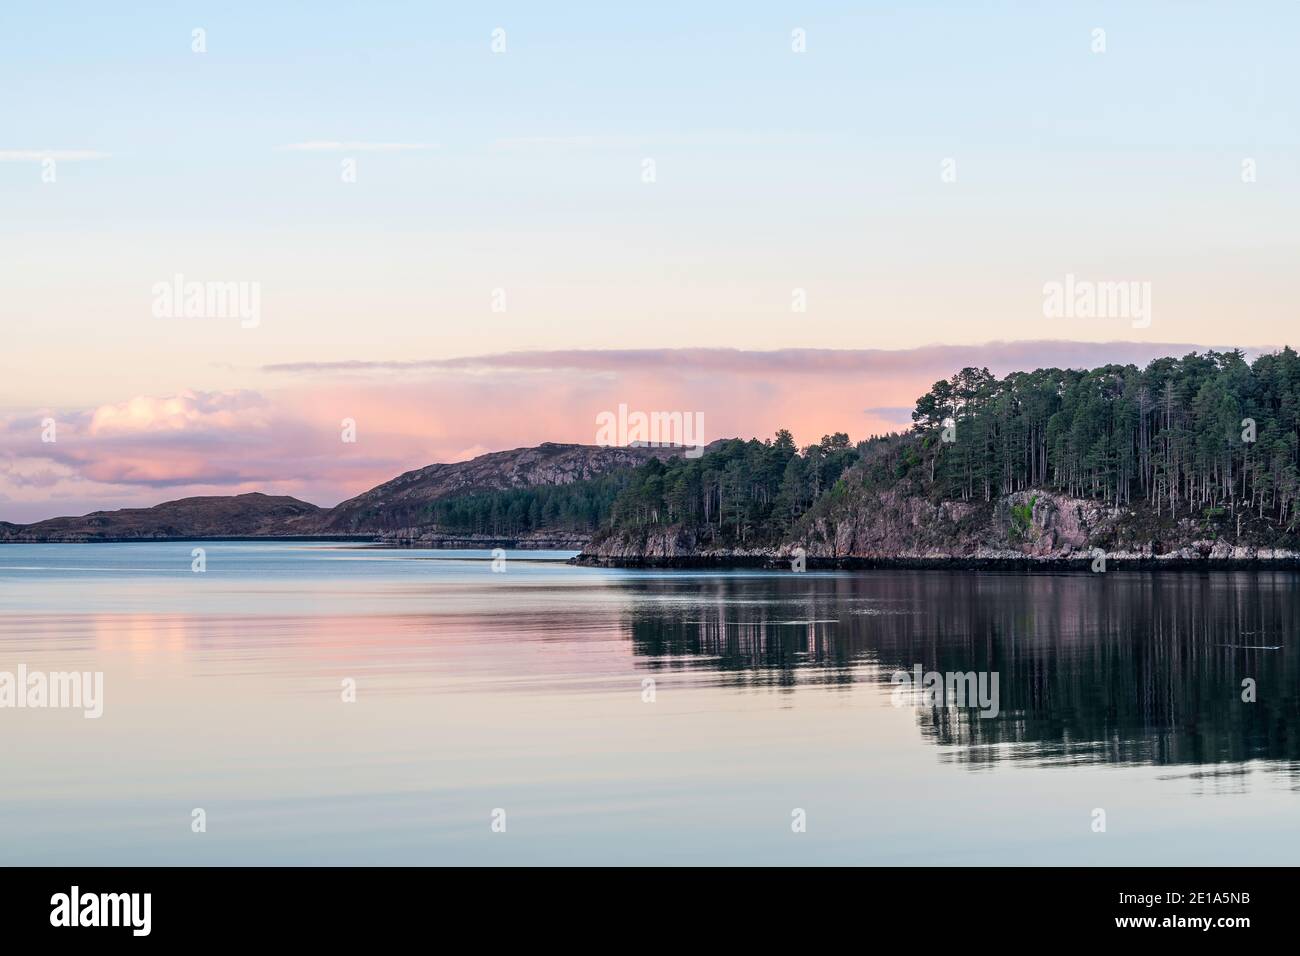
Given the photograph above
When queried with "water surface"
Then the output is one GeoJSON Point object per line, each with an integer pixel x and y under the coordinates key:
{"type": "Point", "coordinates": [638, 716]}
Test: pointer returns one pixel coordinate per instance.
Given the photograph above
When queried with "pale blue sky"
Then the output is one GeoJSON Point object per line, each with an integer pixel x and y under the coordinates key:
{"type": "Point", "coordinates": [774, 171]}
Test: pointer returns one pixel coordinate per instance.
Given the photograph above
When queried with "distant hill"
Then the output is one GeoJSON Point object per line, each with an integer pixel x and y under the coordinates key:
{"type": "Point", "coordinates": [467, 502]}
{"type": "Point", "coordinates": [405, 501]}
{"type": "Point", "coordinates": [248, 515]}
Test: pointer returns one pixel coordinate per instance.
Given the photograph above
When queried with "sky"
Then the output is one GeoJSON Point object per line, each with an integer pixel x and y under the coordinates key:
{"type": "Point", "coordinates": [470, 227]}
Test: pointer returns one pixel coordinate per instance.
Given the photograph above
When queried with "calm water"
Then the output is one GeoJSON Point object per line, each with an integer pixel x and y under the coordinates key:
{"type": "Point", "coordinates": [525, 691]}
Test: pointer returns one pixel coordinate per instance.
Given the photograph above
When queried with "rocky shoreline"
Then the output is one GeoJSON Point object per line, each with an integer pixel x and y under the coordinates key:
{"type": "Point", "coordinates": [1024, 564]}
{"type": "Point", "coordinates": [535, 541]}
{"type": "Point", "coordinates": [1025, 531]}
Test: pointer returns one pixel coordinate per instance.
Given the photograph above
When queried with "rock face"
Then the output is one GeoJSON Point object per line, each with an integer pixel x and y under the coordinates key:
{"type": "Point", "coordinates": [894, 528]}
{"type": "Point", "coordinates": [397, 505]}
{"type": "Point", "coordinates": [893, 524]}
{"type": "Point", "coordinates": [249, 515]}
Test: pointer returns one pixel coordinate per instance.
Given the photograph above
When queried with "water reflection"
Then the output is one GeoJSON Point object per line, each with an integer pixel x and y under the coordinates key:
{"type": "Point", "coordinates": [525, 689]}
{"type": "Point", "coordinates": [1122, 668]}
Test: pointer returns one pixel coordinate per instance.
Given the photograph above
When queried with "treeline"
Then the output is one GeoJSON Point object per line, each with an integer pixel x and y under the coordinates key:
{"type": "Point", "coordinates": [1204, 435]}
{"type": "Point", "coordinates": [1201, 432]}
{"type": "Point", "coordinates": [744, 492]}
{"type": "Point", "coordinates": [581, 506]}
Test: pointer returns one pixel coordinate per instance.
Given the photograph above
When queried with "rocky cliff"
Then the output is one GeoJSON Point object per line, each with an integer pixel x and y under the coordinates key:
{"type": "Point", "coordinates": [893, 527]}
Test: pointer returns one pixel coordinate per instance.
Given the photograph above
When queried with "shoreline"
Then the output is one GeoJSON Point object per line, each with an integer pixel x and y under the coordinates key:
{"type": "Point", "coordinates": [450, 544]}
{"type": "Point", "coordinates": [1026, 564]}
{"type": "Point", "coordinates": [164, 539]}
{"type": "Point", "coordinates": [1023, 565]}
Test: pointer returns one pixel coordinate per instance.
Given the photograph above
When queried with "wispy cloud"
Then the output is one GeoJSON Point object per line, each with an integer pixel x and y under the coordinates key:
{"type": "Point", "coordinates": [998, 356]}
{"type": "Point", "coordinates": [355, 146]}
{"type": "Point", "coordinates": [720, 139]}
{"type": "Point", "coordinates": [40, 155]}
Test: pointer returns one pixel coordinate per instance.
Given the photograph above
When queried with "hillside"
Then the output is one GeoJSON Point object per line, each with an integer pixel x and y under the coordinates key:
{"type": "Point", "coordinates": [407, 501]}
{"type": "Point", "coordinates": [1186, 460]}
{"type": "Point", "coordinates": [248, 515]}
{"type": "Point", "coordinates": [551, 496]}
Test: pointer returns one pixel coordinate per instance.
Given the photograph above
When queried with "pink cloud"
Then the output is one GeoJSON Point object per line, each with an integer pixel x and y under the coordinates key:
{"type": "Point", "coordinates": [187, 412]}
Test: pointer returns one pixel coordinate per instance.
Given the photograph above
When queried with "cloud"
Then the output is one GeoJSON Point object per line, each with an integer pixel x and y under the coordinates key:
{"type": "Point", "coordinates": [718, 139]}
{"type": "Point", "coordinates": [1001, 357]}
{"type": "Point", "coordinates": [145, 449]}
{"type": "Point", "coordinates": [354, 146]}
{"type": "Point", "coordinates": [34, 473]}
{"type": "Point", "coordinates": [186, 412]}
{"type": "Point", "coordinates": [40, 155]}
